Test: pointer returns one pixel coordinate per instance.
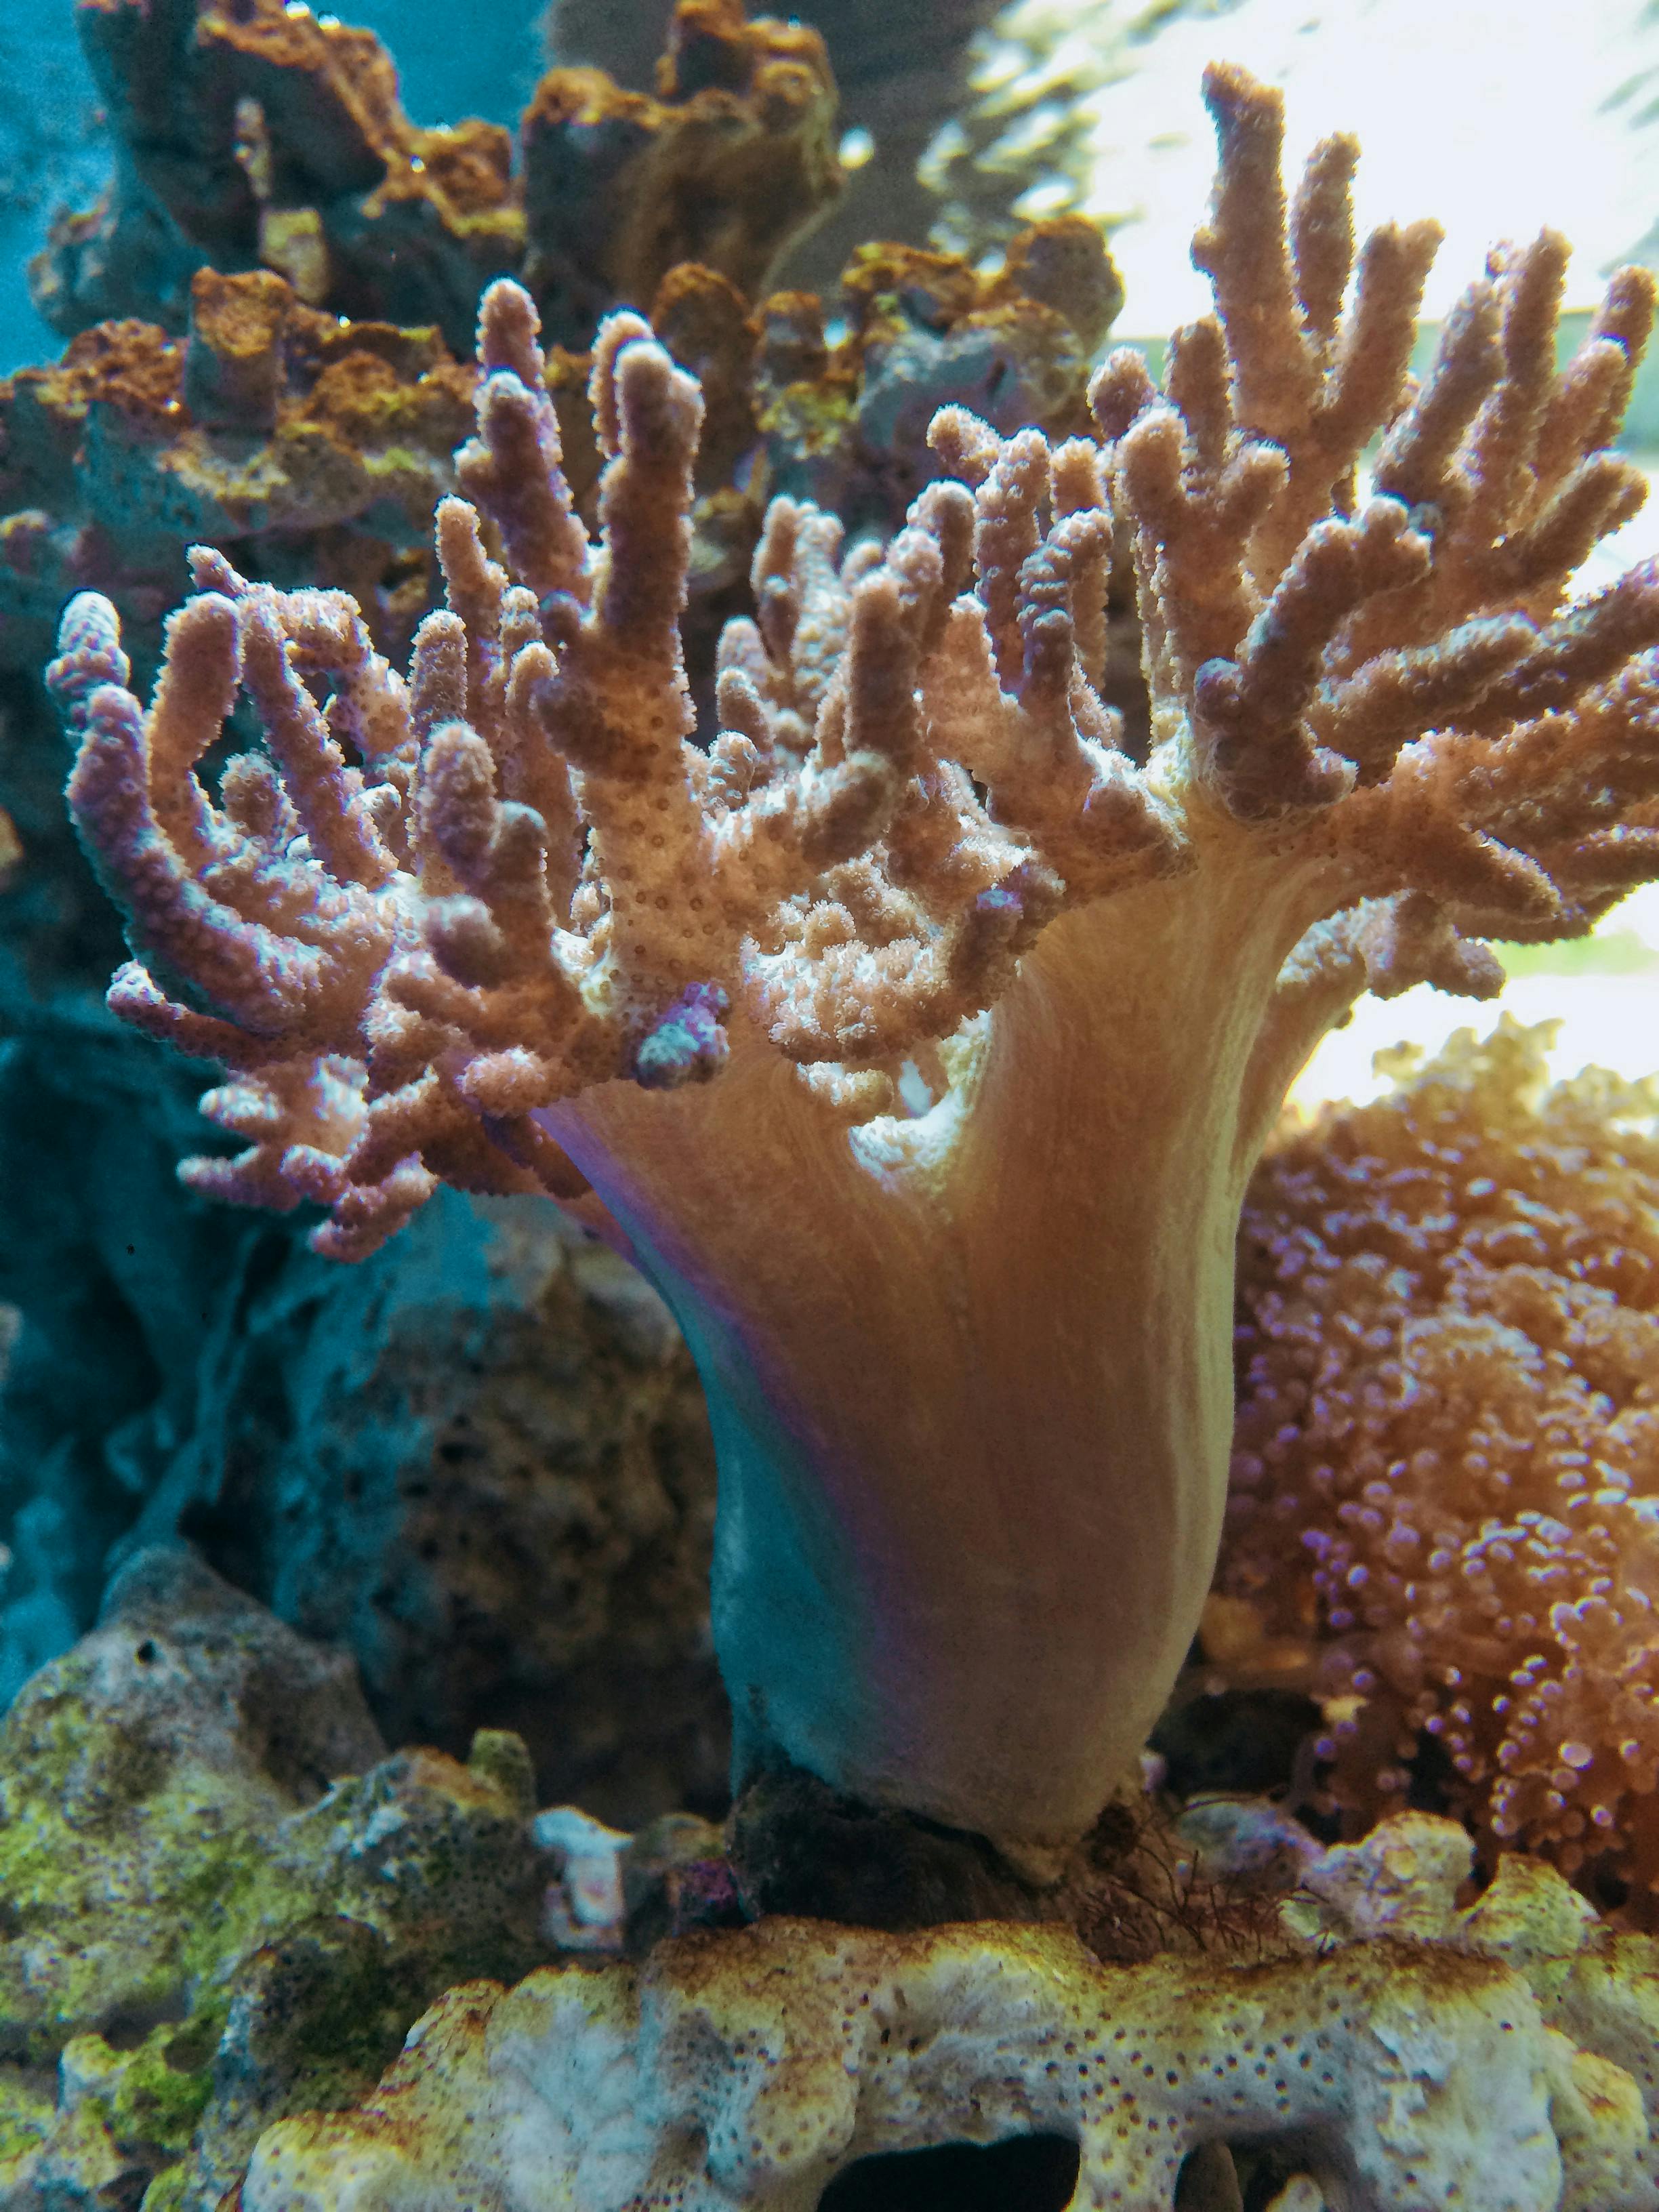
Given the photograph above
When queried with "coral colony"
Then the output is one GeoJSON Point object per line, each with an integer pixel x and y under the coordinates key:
{"type": "Point", "coordinates": [914, 1037]}
{"type": "Point", "coordinates": [257, 134]}
{"type": "Point", "coordinates": [1441, 1517]}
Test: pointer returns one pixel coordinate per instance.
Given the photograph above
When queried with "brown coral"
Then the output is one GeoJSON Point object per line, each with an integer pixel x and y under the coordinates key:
{"type": "Point", "coordinates": [732, 159]}
{"type": "Point", "coordinates": [847, 424]}
{"type": "Point", "coordinates": [260, 134]}
{"type": "Point", "coordinates": [1445, 1482]}
{"type": "Point", "coordinates": [316, 446]}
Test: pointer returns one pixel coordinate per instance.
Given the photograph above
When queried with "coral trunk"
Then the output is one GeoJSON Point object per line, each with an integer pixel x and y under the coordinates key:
{"type": "Point", "coordinates": [969, 1373]}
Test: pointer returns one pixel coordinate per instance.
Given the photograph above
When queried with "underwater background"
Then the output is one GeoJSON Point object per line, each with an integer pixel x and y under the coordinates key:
{"type": "Point", "coordinates": [354, 1629]}
{"type": "Point", "coordinates": [367, 1451]}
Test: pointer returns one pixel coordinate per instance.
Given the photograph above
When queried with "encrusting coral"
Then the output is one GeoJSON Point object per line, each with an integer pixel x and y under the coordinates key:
{"type": "Point", "coordinates": [847, 425]}
{"type": "Point", "coordinates": [1499, 2057]}
{"type": "Point", "coordinates": [1445, 1484]}
{"type": "Point", "coordinates": [259, 133]}
{"type": "Point", "coordinates": [916, 1041]}
{"type": "Point", "coordinates": [313, 444]}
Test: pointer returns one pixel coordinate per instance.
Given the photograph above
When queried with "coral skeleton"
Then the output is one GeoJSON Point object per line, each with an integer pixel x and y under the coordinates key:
{"type": "Point", "coordinates": [916, 1036]}
{"type": "Point", "coordinates": [1498, 2057]}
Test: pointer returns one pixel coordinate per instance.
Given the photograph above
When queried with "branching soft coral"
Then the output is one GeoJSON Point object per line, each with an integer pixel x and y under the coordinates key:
{"type": "Point", "coordinates": [916, 1041]}
{"type": "Point", "coordinates": [1446, 1479]}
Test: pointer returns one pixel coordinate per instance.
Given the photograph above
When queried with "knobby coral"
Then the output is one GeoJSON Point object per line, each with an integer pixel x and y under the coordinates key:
{"type": "Point", "coordinates": [258, 134]}
{"type": "Point", "coordinates": [306, 441]}
{"type": "Point", "coordinates": [1445, 1491]}
{"type": "Point", "coordinates": [916, 1041]}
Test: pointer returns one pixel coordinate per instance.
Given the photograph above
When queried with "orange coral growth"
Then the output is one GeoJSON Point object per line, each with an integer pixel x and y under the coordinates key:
{"type": "Point", "coordinates": [847, 425]}
{"type": "Point", "coordinates": [732, 162]}
{"type": "Point", "coordinates": [311, 443]}
{"type": "Point", "coordinates": [1445, 1480]}
{"type": "Point", "coordinates": [259, 132]}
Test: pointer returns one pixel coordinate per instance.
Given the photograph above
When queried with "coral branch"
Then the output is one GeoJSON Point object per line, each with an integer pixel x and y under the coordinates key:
{"type": "Point", "coordinates": [916, 1037]}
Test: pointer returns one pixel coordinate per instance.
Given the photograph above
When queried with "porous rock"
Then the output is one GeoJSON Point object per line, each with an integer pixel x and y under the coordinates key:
{"type": "Point", "coordinates": [480, 1462]}
{"type": "Point", "coordinates": [220, 1901]}
{"type": "Point", "coordinates": [752, 2068]}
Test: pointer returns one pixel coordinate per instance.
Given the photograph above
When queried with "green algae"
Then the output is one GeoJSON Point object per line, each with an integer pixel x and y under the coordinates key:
{"type": "Point", "coordinates": [153, 2096]}
{"type": "Point", "coordinates": [26, 2110]}
{"type": "Point", "coordinates": [197, 1932]}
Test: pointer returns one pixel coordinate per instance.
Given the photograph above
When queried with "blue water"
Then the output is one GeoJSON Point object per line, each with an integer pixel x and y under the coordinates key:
{"type": "Point", "coordinates": [456, 57]}
{"type": "Point", "coordinates": [51, 149]}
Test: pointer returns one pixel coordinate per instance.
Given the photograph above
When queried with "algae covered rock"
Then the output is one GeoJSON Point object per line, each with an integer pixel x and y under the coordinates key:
{"type": "Point", "coordinates": [139, 1776]}
{"type": "Point", "coordinates": [220, 1900]}
{"type": "Point", "coordinates": [758, 2067]}
{"type": "Point", "coordinates": [1391, 2051]}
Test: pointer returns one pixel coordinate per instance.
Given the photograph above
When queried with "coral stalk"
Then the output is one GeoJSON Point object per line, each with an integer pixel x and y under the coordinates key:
{"type": "Point", "coordinates": [956, 1365]}
{"type": "Point", "coordinates": [916, 1038]}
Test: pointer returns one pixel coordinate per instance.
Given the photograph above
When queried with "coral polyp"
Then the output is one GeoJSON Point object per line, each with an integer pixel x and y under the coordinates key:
{"type": "Point", "coordinates": [1445, 1489]}
{"type": "Point", "coordinates": [508, 921]}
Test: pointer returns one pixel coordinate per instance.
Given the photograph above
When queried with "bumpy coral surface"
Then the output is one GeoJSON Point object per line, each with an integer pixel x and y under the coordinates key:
{"type": "Point", "coordinates": [830, 399]}
{"type": "Point", "coordinates": [506, 922]}
{"type": "Point", "coordinates": [1444, 1510]}
{"type": "Point", "coordinates": [261, 134]}
{"type": "Point", "coordinates": [1505, 2058]}
{"type": "Point", "coordinates": [319, 447]}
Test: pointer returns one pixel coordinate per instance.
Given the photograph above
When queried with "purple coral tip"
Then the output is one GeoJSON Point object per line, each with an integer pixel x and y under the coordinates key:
{"type": "Point", "coordinates": [687, 1044]}
{"type": "Point", "coordinates": [88, 655]}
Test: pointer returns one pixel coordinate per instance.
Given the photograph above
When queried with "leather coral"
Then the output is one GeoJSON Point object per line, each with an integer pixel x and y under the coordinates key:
{"type": "Point", "coordinates": [916, 1032]}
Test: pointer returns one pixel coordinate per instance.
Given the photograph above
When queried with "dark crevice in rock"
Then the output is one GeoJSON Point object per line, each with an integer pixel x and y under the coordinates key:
{"type": "Point", "coordinates": [1024, 2173]}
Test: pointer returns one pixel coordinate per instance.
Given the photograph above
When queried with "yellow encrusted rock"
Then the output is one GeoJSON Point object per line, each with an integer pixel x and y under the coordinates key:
{"type": "Point", "coordinates": [751, 2069]}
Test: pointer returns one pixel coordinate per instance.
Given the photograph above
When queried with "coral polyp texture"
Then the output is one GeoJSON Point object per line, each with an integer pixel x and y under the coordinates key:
{"type": "Point", "coordinates": [1445, 1483]}
{"type": "Point", "coordinates": [916, 1040]}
